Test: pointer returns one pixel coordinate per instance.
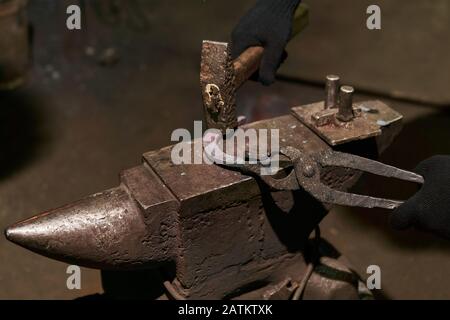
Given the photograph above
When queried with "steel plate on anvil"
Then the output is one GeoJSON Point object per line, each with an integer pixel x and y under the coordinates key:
{"type": "Point", "coordinates": [374, 115]}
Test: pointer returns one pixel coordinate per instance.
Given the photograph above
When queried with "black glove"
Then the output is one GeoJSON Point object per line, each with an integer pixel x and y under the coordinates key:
{"type": "Point", "coordinates": [268, 24]}
{"type": "Point", "coordinates": [429, 208]}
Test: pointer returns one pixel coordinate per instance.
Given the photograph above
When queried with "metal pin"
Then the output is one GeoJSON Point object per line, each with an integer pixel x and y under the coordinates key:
{"type": "Point", "coordinates": [345, 112]}
{"type": "Point", "coordinates": [332, 90]}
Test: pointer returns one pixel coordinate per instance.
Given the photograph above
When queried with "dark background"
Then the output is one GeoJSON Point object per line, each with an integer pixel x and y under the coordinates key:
{"type": "Point", "coordinates": [77, 123]}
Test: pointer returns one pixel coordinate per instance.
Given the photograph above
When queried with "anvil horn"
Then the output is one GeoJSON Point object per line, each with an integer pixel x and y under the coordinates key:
{"type": "Point", "coordinates": [107, 230]}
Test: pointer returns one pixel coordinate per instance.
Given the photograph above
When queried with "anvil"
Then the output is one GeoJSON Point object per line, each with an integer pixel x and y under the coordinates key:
{"type": "Point", "coordinates": [212, 232]}
{"type": "Point", "coordinates": [222, 232]}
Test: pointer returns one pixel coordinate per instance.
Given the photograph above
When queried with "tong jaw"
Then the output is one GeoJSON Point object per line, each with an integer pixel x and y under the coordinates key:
{"type": "Point", "coordinates": [307, 175]}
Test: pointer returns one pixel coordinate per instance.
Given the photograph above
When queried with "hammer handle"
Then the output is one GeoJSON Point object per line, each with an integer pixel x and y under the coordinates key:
{"type": "Point", "coordinates": [250, 60]}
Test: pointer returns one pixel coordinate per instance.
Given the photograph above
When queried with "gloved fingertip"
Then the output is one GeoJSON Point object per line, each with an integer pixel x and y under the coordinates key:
{"type": "Point", "coordinates": [266, 79]}
{"type": "Point", "coordinates": [270, 63]}
{"type": "Point", "coordinates": [422, 168]}
{"type": "Point", "coordinates": [402, 218]}
{"type": "Point", "coordinates": [236, 50]}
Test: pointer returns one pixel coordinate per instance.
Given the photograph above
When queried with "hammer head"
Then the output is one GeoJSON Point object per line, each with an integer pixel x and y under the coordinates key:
{"type": "Point", "coordinates": [218, 87]}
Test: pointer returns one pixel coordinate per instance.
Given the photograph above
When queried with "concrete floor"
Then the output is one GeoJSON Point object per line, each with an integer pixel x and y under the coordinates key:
{"type": "Point", "coordinates": [77, 124]}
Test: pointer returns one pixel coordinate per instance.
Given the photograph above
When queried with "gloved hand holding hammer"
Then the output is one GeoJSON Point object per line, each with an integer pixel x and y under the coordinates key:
{"type": "Point", "coordinates": [268, 24]}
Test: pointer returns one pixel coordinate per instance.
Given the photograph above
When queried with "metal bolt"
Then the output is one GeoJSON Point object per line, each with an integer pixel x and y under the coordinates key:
{"type": "Point", "coordinates": [309, 171]}
{"type": "Point", "coordinates": [332, 91]}
{"type": "Point", "coordinates": [345, 112]}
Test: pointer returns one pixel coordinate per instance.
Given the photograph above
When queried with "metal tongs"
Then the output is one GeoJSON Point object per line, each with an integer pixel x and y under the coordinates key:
{"type": "Point", "coordinates": [306, 174]}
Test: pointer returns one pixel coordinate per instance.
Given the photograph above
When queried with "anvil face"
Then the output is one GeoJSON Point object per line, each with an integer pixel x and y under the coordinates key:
{"type": "Point", "coordinates": [222, 230]}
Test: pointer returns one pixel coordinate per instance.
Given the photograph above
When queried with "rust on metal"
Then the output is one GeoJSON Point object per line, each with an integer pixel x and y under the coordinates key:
{"type": "Point", "coordinates": [334, 132]}
{"type": "Point", "coordinates": [324, 117]}
{"type": "Point", "coordinates": [347, 121]}
{"type": "Point", "coordinates": [218, 88]}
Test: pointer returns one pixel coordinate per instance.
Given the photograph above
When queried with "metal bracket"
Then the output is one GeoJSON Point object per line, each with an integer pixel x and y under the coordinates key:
{"type": "Point", "coordinates": [338, 120]}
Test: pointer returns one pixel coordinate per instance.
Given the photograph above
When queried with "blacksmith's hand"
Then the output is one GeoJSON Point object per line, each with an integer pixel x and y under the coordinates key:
{"type": "Point", "coordinates": [429, 208]}
{"type": "Point", "coordinates": [267, 24]}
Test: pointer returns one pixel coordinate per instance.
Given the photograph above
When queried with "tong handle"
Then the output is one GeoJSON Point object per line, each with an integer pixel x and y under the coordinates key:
{"type": "Point", "coordinates": [338, 159]}
{"type": "Point", "coordinates": [345, 160]}
{"type": "Point", "coordinates": [326, 194]}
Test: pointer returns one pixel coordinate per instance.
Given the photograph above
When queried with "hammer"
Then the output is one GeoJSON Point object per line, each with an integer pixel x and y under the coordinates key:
{"type": "Point", "coordinates": [220, 76]}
